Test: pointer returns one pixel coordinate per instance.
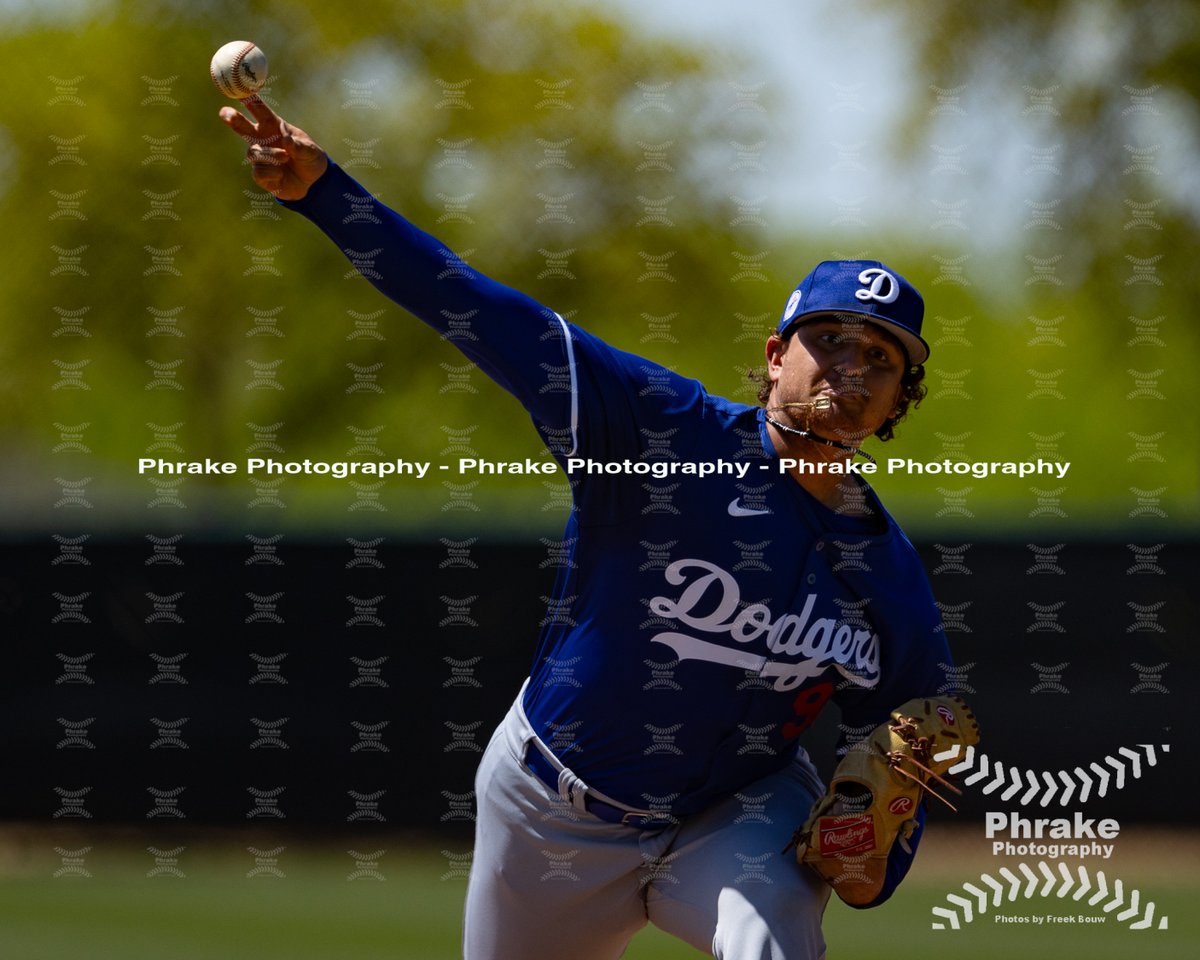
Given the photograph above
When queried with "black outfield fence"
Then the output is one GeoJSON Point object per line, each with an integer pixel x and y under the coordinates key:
{"type": "Point", "coordinates": [325, 684]}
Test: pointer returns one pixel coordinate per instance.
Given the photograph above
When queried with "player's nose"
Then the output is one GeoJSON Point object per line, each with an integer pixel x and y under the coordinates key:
{"type": "Point", "coordinates": [850, 359]}
{"type": "Point", "coordinates": [844, 351]}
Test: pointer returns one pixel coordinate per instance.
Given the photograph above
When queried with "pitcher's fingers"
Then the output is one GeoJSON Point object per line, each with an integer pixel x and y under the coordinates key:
{"type": "Point", "coordinates": [268, 119]}
{"type": "Point", "coordinates": [238, 124]}
{"type": "Point", "coordinates": [298, 143]}
{"type": "Point", "coordinates": [260, 155]}
{"type": "Point", "coordinates": [268, 176]}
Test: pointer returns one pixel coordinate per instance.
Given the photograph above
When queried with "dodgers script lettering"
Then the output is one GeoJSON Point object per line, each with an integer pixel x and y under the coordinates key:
{"type": "Point", "coordinates": [820, 643]}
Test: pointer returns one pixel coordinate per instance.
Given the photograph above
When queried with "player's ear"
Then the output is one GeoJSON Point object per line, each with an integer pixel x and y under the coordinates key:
{"type": "Point", "coordinates": [776, 347]}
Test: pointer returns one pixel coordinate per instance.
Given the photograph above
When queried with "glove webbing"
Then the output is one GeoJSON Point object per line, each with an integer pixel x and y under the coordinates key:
{"type": "Point", "coordinates": [906, 730]}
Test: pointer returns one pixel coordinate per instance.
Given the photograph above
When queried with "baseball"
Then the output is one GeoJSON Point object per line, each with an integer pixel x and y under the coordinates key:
{"type": "Point", "coordinates": [239, 69]}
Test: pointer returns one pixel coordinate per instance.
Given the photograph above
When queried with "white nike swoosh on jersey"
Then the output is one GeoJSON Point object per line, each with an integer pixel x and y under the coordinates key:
{"type": "Point", "coordinates": [737, 510]}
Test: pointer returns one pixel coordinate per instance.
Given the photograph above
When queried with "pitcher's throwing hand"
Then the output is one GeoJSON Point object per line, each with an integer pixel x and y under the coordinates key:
{"type": "Point", "coordinates": [284, 160]}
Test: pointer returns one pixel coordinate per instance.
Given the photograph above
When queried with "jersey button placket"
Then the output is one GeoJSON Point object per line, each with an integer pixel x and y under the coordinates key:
{"type": "Point", "coordinates": [814, 560]}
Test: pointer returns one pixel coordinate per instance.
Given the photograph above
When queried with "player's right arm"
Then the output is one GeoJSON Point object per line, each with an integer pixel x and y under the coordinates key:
{"type": "Point", "coordinates": [515, 340]}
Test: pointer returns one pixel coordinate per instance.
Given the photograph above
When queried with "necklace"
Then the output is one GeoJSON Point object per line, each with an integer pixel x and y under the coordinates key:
{"type": "Point", "coordinates": [809, 435]}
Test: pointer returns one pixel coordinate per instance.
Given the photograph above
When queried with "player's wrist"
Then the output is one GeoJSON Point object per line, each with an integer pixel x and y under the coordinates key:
{"type": "Point", "coordinates": [317, 187]}
{"type": "Point", "coordinates": [318, 168]}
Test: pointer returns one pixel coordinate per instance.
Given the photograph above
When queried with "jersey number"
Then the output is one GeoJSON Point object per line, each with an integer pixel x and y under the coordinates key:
{"type": "Point", "coordinates": [806, 706]}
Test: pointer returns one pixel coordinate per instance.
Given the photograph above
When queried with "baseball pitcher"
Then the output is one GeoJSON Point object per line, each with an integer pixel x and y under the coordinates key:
{"type": "Point", "coordinates": [665, 782]}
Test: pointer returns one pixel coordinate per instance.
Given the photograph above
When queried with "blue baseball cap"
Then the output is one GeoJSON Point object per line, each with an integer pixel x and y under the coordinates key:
{"type": "Point", "coordinates": [865, 288]}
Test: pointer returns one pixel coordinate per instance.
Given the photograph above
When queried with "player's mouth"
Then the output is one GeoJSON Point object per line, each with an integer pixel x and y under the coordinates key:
{"type": "Point", "coordinates": [854, 393]}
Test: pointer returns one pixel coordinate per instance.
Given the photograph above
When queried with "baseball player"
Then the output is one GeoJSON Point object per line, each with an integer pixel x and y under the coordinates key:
{"type": "Point", "coordinates": [651, 768]}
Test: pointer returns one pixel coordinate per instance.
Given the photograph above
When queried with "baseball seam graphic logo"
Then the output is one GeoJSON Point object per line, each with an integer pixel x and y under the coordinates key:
{"type": "Point", "coordinates": [977, 904]}
{"type": "Point", "coordinates": [975, 900]}
{"type": "Point", "coordinates": [1044, 782]}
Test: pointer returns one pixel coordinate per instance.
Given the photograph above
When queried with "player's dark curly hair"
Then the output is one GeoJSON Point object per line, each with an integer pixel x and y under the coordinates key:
{"type": "Point", "coordinates": [912, 392]}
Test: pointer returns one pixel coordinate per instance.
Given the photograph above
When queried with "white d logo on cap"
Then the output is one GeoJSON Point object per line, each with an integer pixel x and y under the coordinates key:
{"type": "Point", "coordinates": [877, 279]}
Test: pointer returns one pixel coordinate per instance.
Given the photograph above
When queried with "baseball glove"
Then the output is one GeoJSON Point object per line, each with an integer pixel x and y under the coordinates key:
{"type": "Point", "coordinates": [872, 800]}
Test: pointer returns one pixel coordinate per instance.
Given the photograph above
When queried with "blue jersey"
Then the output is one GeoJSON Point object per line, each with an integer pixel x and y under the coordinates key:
{"type": "Point", "coordinates": [698, 623]}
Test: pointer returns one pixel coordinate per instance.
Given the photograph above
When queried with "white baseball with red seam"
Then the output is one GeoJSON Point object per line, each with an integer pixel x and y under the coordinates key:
{"type": "Point", "coordinates": [239, 69]}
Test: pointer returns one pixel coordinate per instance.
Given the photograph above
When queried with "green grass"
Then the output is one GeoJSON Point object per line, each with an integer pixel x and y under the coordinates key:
{"type": "Point", "coordinates": [215, 912]}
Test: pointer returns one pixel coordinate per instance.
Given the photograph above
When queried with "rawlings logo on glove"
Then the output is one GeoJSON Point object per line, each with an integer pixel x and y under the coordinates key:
{"type": "Point", "coordinates": [872, 801]}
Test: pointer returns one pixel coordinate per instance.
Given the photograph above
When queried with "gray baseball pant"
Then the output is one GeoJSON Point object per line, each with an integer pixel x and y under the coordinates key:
{"type": "Point", "coordinates": [549, 880]}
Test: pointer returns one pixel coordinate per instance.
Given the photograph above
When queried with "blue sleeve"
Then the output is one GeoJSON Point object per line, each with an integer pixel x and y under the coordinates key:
{"type": "Point", "coordinates": [523, 346]}
{"type": "Point", "coordinates": [586, 397]}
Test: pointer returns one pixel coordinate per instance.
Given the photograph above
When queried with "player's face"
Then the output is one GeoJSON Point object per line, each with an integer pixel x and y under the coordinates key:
{"type": "Point", "coordinates": [852, 365]}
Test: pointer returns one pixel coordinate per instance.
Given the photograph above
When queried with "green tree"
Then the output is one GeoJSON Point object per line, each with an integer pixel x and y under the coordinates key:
{"type": "Point", "coordinates": [155, 295]}
{"type": "Point", "coordinates": [1079, 122]}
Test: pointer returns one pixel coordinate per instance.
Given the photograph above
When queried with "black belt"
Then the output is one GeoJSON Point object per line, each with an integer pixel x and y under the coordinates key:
{"type": "Point", "coordinates": [544, 770]}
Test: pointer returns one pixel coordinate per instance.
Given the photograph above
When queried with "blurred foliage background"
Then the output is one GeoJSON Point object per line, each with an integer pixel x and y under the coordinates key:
{"type": "Point", "coordinates": [1040, 190]}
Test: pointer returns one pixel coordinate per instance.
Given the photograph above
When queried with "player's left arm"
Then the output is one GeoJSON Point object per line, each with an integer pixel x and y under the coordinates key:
{"type": "Point", "coordinates": [917, 668]}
